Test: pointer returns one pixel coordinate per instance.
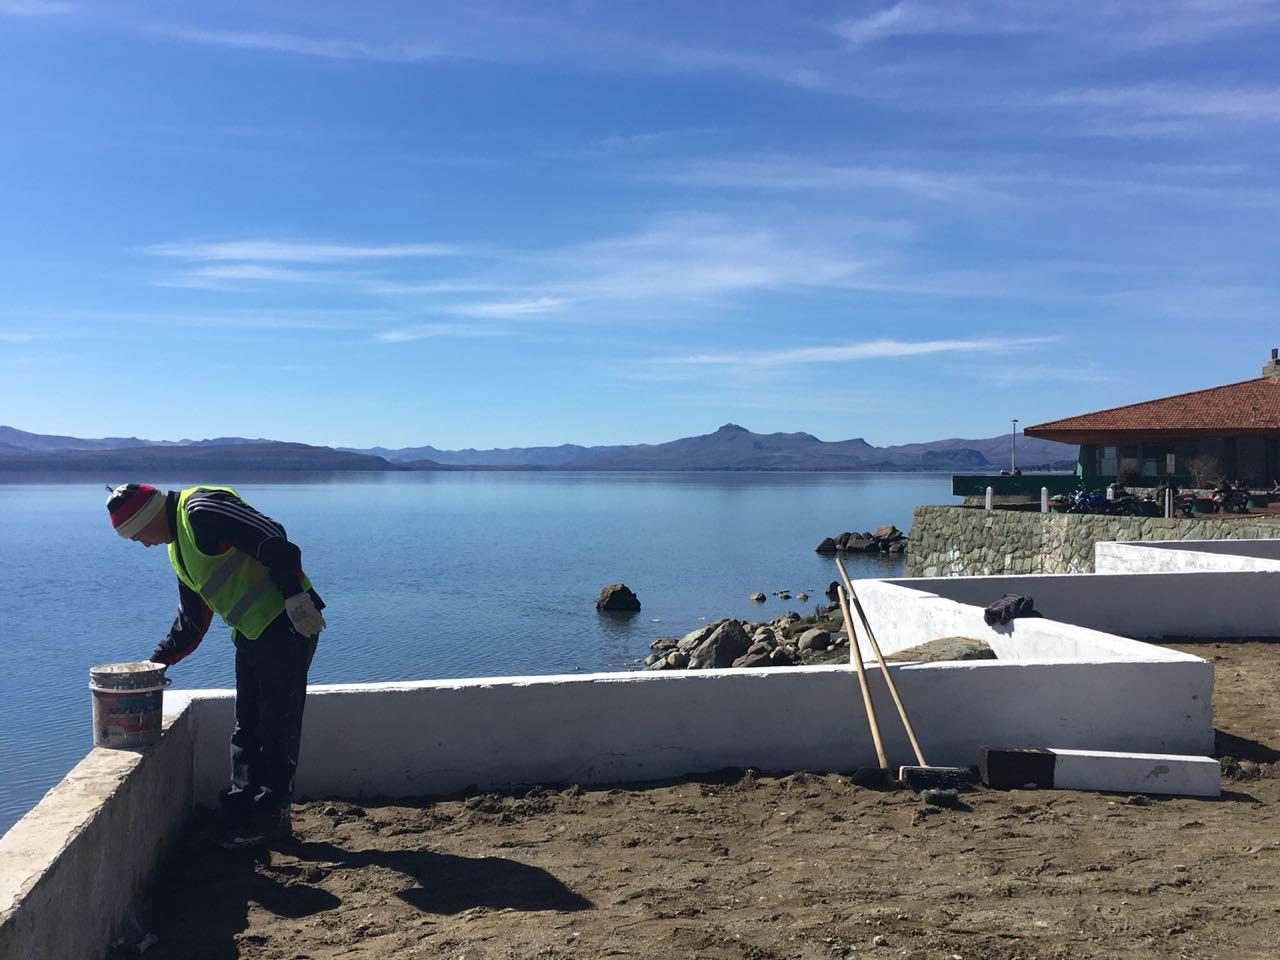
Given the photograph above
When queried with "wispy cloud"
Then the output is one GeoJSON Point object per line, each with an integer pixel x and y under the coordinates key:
{"type": "Point", "coordinates": [1007, 374]}
{"type": "Point", "coordinates": [223, 276]}
{"type": "Point", "coordinates": [1164, 108]}
{"type": "Point", "coordinates": [923, 18]}
{"type": "Point", "coordinates": [698, 256]}
{"type": "Point", "coordinates": [271, 321]}
{"type": "Point", "coordinates": [792, 173]}
{"type": "Point", "coordinates": [22, 336]}
{"type": "Point", "coordinates": [429, 331]}
{"type": "Point", "coordinates": [978, 188]}
{"type": "Point", "coordinates": [224, 265]}
{"type": "Point", "coordinates": [276, 251]}
{"type": "Point", "coordinates": [507, 309]}
{"type": "Point", "coordinates": [1137, 23]}
{"type": "Point", "coordinates": [331, 48]}
{"type": "Point", "coordinates": [35, 8]}
{"type": "Point", "coordinates": [433, 287]}
{"type": "Point", "coordinates": [865, 350]}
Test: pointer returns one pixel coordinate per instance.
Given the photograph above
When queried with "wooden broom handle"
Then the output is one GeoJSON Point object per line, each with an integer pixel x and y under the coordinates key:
{"type": "Point", "coordinates": [884, 667]}
{"type": "Point", "coordinates": [862, 681]}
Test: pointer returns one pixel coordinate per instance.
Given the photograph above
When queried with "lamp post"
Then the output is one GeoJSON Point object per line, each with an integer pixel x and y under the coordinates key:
{"type": "Point", "coordinates": [1013, 446]}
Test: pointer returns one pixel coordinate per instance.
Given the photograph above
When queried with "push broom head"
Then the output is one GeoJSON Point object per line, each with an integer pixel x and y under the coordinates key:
{"type": "Point", "coordinates": [933, 778]}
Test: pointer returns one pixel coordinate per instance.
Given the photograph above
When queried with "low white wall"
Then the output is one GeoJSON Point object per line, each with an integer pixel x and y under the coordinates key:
{"type": "Point", "coordinates": [1193, 604]}
{"type": "Point", "coordinates": [438, 737]}
{"type": "Point", "coordinates": [1177, 556]}
{"type": "Point", "coordinates": [903, 616]}
{"type": "Point", "coordinates": [78, 860]}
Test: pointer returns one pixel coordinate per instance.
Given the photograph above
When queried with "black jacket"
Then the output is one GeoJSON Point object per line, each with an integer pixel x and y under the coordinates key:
{"type": "Point", "coordinates": [221, 520]}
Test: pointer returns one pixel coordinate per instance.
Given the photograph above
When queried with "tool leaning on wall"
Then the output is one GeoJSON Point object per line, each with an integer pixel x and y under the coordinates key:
{"type": "Point", "coordinates": [921, 776]}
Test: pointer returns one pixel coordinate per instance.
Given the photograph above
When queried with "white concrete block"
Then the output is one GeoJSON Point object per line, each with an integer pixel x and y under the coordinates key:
{"type": "Point", "coordinates": [1137, 773]}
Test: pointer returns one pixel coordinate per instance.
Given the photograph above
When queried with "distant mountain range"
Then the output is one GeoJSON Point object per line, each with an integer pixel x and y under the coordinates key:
{"type": "Point", "coordinates": [730, 448]}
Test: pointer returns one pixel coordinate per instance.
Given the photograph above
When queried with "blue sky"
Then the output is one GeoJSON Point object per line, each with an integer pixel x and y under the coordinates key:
{"type": "Point", "coordinates": [500, 224]}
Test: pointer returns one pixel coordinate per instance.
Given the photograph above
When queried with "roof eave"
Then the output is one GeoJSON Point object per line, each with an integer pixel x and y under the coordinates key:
{"type": "Point", "coordinates": [1080, 435]}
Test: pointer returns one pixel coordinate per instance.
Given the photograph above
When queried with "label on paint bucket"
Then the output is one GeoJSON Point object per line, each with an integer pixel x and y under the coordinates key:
{"type": "Point", "coordinates": [126, 719]}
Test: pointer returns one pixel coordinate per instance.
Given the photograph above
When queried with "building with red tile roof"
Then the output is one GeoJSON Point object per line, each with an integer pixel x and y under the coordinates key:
{"type": "Point", "coordinates": [1234, 430]}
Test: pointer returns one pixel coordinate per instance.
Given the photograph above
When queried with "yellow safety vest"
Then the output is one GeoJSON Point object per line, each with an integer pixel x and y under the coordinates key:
{"type": "Point", "coordinates": [235, 585]}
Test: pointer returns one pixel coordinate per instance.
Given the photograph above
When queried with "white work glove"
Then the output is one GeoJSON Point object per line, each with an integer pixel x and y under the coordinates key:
{"type": "Point", "coordinates": [303, 615]}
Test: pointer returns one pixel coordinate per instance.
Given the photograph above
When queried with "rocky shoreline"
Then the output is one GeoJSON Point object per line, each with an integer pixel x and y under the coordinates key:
{"type": "Point", "coordinates": [787, 640]}
{"type": "Point", "coordinates": [885, 539]}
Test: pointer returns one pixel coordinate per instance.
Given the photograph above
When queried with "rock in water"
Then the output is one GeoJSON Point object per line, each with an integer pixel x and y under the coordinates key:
{"type": "Point", "coordinates": [617, 597]}
{"type": "Point", "coordinates": [725, 645]}
{"type": "Point", "coordinates": [887, 532]}
{"type": "Point", "coordinates": [833, 589]}
{"type": "Point", "coordinates": [756, 597]}
{"type": "Point", "coordinates": [828, 545]}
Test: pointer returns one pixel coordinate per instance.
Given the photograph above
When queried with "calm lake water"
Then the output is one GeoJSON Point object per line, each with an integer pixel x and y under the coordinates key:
{"type": "Point", "coordinates": [427, 575]}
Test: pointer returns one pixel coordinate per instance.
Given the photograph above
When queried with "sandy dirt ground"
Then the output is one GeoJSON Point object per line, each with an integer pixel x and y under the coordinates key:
{"type": "Point", "coordinates": [752, 867]}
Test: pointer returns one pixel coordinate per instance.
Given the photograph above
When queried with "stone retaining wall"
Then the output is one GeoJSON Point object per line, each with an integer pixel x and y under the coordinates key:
{"type": "Point", "coordinates": [958, 541]}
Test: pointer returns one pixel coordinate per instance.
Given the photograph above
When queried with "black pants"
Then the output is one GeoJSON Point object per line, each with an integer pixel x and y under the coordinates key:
{"type": "Point", "coordinates": [271, 689]}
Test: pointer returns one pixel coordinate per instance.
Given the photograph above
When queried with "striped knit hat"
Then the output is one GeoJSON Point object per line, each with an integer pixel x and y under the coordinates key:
{"type": "Point", "coordinates": [132, 506]}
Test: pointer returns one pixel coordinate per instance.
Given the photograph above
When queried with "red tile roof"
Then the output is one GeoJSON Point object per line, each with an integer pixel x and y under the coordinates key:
{"type": "Point", "coordinates": [1248, 408]}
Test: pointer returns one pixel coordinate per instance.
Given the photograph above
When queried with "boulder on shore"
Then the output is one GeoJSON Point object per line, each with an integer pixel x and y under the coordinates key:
{"type": "Point", "coordinates": [617, 597]}
{"type": "Point", "coordinates": [726, 644]}
{"type": "Point", "coordinates": [814, 640]}
{"type": "Point", "coordinates": [946, 648]}
{"type": "Point", "coordinates": [693, 639]}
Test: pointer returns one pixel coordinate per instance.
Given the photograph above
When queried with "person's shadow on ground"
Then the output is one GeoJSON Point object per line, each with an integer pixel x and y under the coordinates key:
{"type": "Point", "coordinates": [448, 884]}
{"type": "Point", "coordinates": [201, 910]}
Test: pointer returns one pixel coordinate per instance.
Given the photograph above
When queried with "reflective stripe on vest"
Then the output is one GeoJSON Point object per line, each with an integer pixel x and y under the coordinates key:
{"type": "Point", "coordinates": [223, 573]}
{"type": "Point", "coordinates": [250, 597]}
{"type": "Point", "coordinates": [233, 584]}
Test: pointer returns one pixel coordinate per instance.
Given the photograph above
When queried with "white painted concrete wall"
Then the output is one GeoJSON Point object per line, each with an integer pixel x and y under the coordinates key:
{"type": "Point", "coordinates": [1180, 556]}
{"type": "Point", "coordinates": [441, 736]}
{"type": "Point", "coordinates": [1193, 604]}
{"type": "Point", "coordinates": [903, 616]}
{"type": "Point", "coordinates": [1187, 776]}
{"type": "Point", "coordinates": [79, 859]}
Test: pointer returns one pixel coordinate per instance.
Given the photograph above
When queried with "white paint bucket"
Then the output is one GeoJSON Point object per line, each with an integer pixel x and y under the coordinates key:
{"type": "Point", "coordinates": [128, 700]}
